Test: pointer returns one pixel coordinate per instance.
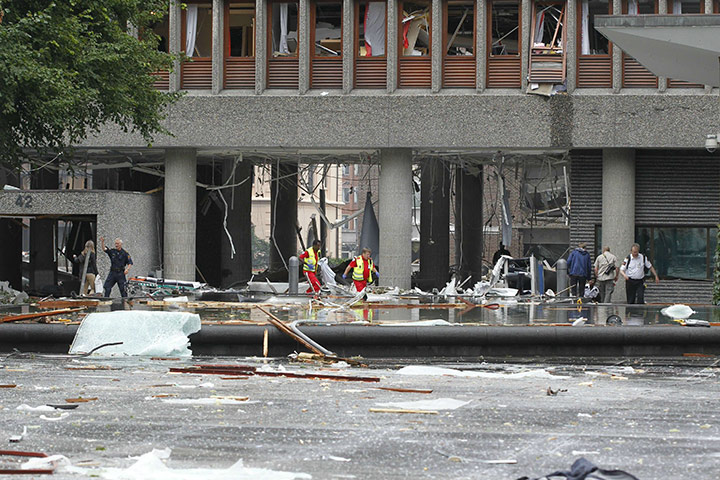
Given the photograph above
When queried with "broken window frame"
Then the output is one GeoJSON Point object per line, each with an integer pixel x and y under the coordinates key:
{"type": "Point", "coordinates": [447, 35]}
{"type": "Point", "coordinates": [543, 57]}
{"type": "Point", "coordinates": [239, 71]}
{"type": "Point", "coordinates": [326, 70]}
{"type": "Point", "coordinates": [282, 70]}
{"type": "Point", "coordinates": [503, 71]}
{"type": "Point", "coordinates": [401, 29]}
{"type": "Point", "coordinates": [634, 75]}
{"type": "Point", "coordinates": [458, 70]}
{"type": "Point", "coordinates": [594, 70]}
{"type": "Point", "coordinates": [196, 71]}
{"type": "Point", "coordinates": [314, 53]}
{"type": "Point", "coordinates": [369, 71]}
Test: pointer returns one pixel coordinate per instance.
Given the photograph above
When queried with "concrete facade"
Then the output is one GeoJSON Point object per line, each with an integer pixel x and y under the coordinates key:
{"type": "Point", "coordinates": [136, 218]}
{"type": "Point", "coordinates": [180, 201]}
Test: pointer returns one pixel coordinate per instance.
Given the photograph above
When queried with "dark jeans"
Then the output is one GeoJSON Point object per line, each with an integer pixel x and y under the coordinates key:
{"type": "Point", "coordinates": [112, 279]}
{"type": "Point", "coordinates": [635, 290]}
{"type": "Point", "coordinates": [577, 286]}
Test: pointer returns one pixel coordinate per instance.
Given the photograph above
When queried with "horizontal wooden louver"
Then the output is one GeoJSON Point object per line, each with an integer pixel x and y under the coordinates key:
{"type": "Point", "coordinates": [326, 72]}
{"type": "Point", "coordinates": [196, 74]}
{"type": "Point", "coordinates": [682, 84]}
{"type": "Point", "coordinates": [547, 68]}
{"type": "Point", "coordinates": [162, 80]}
{"type": "Point", "coordinates": [459, 72]}
{"type": "Point", "coordinates": [282, 73]}
{"type": "Point", "coordinates": [504, 72]}
{"type": "Point", "coordinates": [240, 73]}
{"type": "Point", "coordinates": [594, 71]}
{"type": "Point", "coordinates": [637, 76]}
{"type": "Point", "coordinates": [371, 72]}
{"type": "Point", "coordinates": [415, 72]}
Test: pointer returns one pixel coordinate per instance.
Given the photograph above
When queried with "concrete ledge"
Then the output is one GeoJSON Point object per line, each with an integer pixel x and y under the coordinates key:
{"type": "Point", "coordinates": [386, 342]}
{"type": "Point", "coordinates": [657, 20]}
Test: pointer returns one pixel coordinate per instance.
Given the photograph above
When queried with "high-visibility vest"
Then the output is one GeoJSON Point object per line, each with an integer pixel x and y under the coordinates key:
{"type": "Point", "coordinates": [359, 270]}
{"type": "Point", "coordinates": [310, 262]}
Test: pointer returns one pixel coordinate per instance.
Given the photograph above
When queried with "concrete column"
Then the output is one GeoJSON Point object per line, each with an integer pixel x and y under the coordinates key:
{"type": "Point", "coordinates": [526, 14]}
{"type": "Point", "coordinates": [571, 45]}
{"type": "Point", "coordinates": [396, 201]}
{"type": "Point", "coordinates": [469, 222]}
{"type": "Point", "coordinates": [11, 252]}
{"type": "Point", "coordinates": [218, 45]}
{"type": "Point", "coordinates": [180, 221]}
{"type": "Point", "coordinates": [618, 206]}
{"type": "Point", "coordinates": [434, 225]}
{"type": "Point", "coordinates": [348, 45]}
{"type": "Point", "coordinates": [43, 266]}
{"type": "Point", "coordinates": [662, 9]}
{"type": "Point", "coordinates": [175, 26]}
{"type": "Point", "coordinates": [261, 33]}
{"type": "Point", "coordinates": [480, 45]}
{"type": "Point", "coordinates": [304, 47]}
{"type": "Point", "coordinates": [391, 50]}
{"type": "Point", "coordinates": [617, 53]}
{"type": "Point", "coordinates": [239, 200]}
{"type": "Point", "coordinates": [437, 49]}
{"type": "Point", "coordinates": [283, 215]}
{"type": "Point", "coordinates": [709, 7]}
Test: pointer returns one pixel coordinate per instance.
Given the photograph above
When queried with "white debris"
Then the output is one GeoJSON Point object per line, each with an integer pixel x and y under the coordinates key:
{"type": "Point", "coordinates": [438, 404]}
{"type": "Point", "coordinates": [159, 334]}
{"type": "Point", "coordinates": [50, 462]}
{"type": "Point", "coordinates": [151, 467]}
{"type": "Point", "coordinates": [579, 322]}
{"type": "Point", "coordinates": [55, 419]}
{"type": "Point", "coordinates": [182, 299]}
{"type": "Point", "coordinates": [450, 287]}
{"type": "Point", "coordinates": [42, 408]}
{"type": "Point", "coordinates": [439, 371]}
{"type": "Point", "coordinates": [420, 323]}
{"type": "Point", "coordinates": [17, 438]}
{"type": "Point", "coordinates": [338, 459]}
{"type": "Point", "coordinates": [678, 311]}
{"type": "Point", "coordinates": [207, 401]}
{"type": "Point", "coordinates": [326, 273]}
{"type": "Point", "coordinates": [503, 292]}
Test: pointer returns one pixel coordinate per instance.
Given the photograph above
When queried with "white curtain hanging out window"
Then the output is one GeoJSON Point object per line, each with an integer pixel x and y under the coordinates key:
{"type": "Point", "coordinates": [632, 7]}
{"type": "Point", "coordinates": [585, 28]}
{"type": "Point", "coordinates": [191, 30]}
{"type": "Point", "coordinates": [283, 48]}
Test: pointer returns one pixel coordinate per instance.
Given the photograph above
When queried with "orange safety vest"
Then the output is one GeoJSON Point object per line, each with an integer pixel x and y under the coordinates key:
{"type": "Point", "coordinates": [359, 270]}
{"type": "Point", "coordinates": [310, 262]}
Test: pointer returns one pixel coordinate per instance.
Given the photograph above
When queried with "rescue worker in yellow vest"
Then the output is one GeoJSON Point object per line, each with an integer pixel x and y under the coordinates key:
{"type": "Point", "coordinates": [363, 269]}
{"type": "Point", "coordinates": [310, 259]}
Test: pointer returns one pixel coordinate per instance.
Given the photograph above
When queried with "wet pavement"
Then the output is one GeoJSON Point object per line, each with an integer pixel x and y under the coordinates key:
{"type": "Point", "coordinates": [653, 418]}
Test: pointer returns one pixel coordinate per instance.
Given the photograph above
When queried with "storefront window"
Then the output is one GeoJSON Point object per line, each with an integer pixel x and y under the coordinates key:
{"type": "Point", "coordinates": [679, 252]}
{"type": "Point", "coordinates": [680, 7]}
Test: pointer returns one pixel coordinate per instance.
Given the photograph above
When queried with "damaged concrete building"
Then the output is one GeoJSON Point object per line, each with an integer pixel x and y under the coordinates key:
{"type": "Point", "coordinates": [448, 85]}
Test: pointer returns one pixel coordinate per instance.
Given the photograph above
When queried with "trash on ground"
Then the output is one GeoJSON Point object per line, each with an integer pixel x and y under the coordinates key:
{"type": "Point", "coordinates": [42, 408]}
{"type": "Point", "coordinates": [404, 390]}
{"type": "Point", "coordinates": [246, 370]}
{"type": "Point", "coordinates": [11, 385]}
{"type": "Point", "coordinates": [422, 323]}
{"type": "Point", "coordinates": [426, 370]}
{"type": "Point", "coordinates": [582, 469]}
{"type": "Point", "coordinates": [552, 392]}
{"type": "Point", "coordinates": [403, 410]}
{"type": "Point", "coordinates": [80, 400]}
{"type": "Point", "coordinates": [55, 419]}
{"type": "Point", "coordinates": [145, 333]}
{"type": "Point", "coordinates": [18, 438]}
{"type": "Point", "coordinates": [438, 404]}
{"type": "Point", "coordinates": [678, 311]}
{"type": "Point", "coordinates": [32, 316]}
{"type": "Point", "coordinates": [208, 401]}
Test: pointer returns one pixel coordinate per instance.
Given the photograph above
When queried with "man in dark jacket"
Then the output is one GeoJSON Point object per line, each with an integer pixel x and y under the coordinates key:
{"type": "Point", "coordinates": [579, 269]}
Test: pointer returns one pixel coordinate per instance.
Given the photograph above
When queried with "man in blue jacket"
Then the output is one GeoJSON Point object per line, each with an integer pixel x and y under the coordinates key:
{"type": "Point", "coordinates": [579, 269]}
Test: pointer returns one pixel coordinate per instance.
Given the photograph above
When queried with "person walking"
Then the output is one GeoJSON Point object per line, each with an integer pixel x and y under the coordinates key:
{"type": "Point", "coordinates": [92, 271]}
{"type": "Point", "coordinates": [633, 270]}
{"type": "Point", "coordinates": [363, 270]}
{"type": "Point", "coordinates": [579, 269]}
{"type": "Point", "coordinates": [120, 263]}
{"type": "Point", "coordinates": [310, 264]}
{"type": "Point", "coordinates": [606, 273]}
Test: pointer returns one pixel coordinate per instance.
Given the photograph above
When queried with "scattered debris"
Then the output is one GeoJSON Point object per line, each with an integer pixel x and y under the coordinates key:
{"type": "Point", "coordinates": [9, 295]}
{"type": "Point", "coordinates": [246, 370]}
{"type": "Point", "coordinates": [582, 469]}
{"type": "Point", "coordinates": [55, 419]}
{"type": "Point", "coordinates": [425, 370]}
{"type": "Point", "coordinates": [27, 468]}
{"type": "Point", "coordinates": [403, 410]}
{"type": "Point", "coordinates": [80, 400]}
{"type": "Point", "coordinates": [438, 404]}
{"type": "Point", "coordinates": [404, 390]}
{"type": "Point", "coordinates": [149, 333]}
{"type": "Point", "coordinates": [63, 406]}
{"type": "Point", "coordinates": [10, 385]}
{"type": "Point", "coordinates": [32, 316]}
{"type": "Point", "coordinates": [552, 392]}
{"type": "Point", "coordinates": [678, 311]}
{"type": "Point", "coordinates": [18, 438]}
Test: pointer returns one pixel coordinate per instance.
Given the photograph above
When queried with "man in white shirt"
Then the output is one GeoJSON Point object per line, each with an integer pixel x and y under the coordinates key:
{"type": "Point", "coordinates": [633, 270]}
{"type": "Point", "coordinates": [607, 273]}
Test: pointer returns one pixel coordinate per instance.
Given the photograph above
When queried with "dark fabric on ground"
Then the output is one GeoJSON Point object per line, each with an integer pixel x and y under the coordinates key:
{"type": "Point", "coordinates": [582, 469]}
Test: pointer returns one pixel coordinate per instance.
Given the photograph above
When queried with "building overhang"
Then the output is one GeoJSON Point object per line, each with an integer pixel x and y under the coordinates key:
{"type": "Point", "coordinates": [682, 47]}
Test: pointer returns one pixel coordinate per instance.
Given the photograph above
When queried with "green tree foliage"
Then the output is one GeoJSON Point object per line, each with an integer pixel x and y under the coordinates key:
{"type": "Point", "coordinates": [70, 66]}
